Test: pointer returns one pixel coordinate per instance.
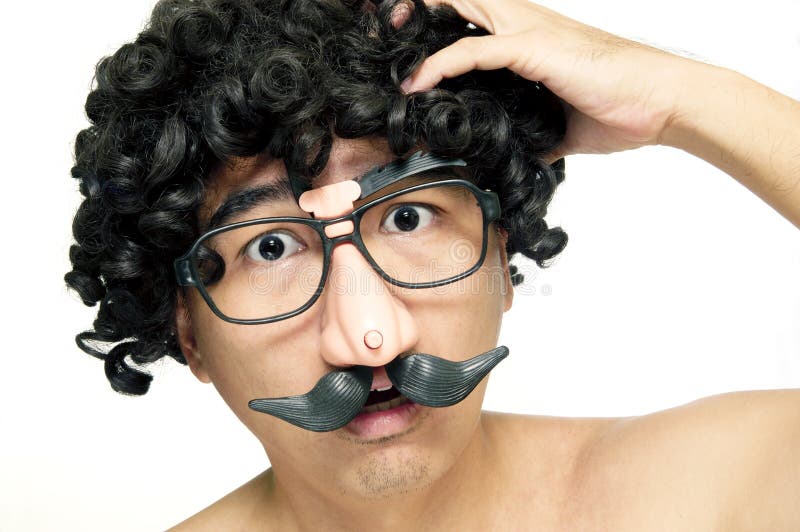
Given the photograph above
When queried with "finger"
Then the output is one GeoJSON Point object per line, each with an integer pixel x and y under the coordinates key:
{"type": "Point", "coordinates": [401, 13]}
{"type": "Point", "coordinates": [472, 11]}
{"type": "Point", "coordinates": [495, 16]}
{"type": "Point", "coordinates": [550, 158]}
{"type": "Point", "coordinates": [490, 52]}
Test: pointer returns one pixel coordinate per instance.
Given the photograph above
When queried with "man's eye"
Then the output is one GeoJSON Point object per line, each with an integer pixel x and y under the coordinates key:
{"type": "Point", "coordinates": [406, 218]}
{"type": "Point", "coordinates": [273, 246]}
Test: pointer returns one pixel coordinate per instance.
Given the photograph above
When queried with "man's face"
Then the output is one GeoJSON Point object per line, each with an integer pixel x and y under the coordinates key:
{"type": "Point", "coordinates": [455, 321]}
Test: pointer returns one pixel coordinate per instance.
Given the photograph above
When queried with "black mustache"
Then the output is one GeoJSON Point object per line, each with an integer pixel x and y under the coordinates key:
{"type": "Point", "coordinates": [329, 405]}
{"type": "Point", "coordinates": [432, 381]}
{"type": "Point", "coordinates": [340, 395]}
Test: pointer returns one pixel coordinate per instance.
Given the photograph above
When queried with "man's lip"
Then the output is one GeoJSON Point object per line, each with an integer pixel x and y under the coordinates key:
{"type": "Point", "coordinates": [395, 422]}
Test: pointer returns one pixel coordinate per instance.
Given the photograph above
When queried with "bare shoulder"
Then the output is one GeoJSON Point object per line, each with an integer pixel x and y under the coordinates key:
{"type": "Point", "coordinates": [561, 438]}
{"type": "Point", "coordinates": [538, 456]}
{"type": "Point", "coordinates": [726, 462]}
{"type": "Point", "coordinates": [240, 510]}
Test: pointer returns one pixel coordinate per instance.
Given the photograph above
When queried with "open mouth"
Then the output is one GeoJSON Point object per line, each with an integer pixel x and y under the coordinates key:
{"type": "Point", "coordinates": [379, 401]}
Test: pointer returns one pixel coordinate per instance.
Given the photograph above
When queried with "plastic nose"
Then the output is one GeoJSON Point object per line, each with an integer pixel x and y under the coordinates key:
{"type": "Point", "coordinates": [362, 323]}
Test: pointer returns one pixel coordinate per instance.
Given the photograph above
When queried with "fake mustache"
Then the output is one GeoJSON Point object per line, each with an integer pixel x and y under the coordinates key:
{"type": "Point", "coordinates": [340, 395]}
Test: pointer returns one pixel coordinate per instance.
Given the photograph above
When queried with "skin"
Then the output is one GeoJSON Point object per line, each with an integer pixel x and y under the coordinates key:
{"type": "Point", "coordinates": [728, 462]}
{"type": "Point", "coordinates": [335, 470]}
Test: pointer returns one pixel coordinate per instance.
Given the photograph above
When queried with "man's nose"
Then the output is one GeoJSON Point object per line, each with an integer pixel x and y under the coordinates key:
{"type": "Point", "coordinates": [362, 322]}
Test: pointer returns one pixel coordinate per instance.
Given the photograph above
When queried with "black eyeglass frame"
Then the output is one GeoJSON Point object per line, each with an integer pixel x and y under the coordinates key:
{"type": "Point", "coordinates": [187, 275]}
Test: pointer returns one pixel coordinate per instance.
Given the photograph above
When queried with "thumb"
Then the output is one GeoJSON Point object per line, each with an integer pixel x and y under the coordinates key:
{"type": "Point", "coordinates": [554, 156]}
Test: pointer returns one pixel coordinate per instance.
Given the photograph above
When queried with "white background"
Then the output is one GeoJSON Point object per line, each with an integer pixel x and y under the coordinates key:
{"type": "Point", "coordinates": [677, 282]}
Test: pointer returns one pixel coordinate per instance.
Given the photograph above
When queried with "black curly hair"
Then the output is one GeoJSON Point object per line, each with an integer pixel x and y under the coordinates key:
{"type": "Point", "coordinates": [208, 80]}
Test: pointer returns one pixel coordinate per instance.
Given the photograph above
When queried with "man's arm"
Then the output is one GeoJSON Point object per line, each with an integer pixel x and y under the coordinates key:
{"type": "Point", "coordinates": [726, 462]}
{"type": "Point", "coordinates": [752, 133]}
{"type": "Point", "coordinates": [746, 129]}
{"type": "Point", "coordinates": [763, 449]}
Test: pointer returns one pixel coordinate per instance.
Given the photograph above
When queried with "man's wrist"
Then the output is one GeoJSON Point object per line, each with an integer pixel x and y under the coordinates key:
{"type": "Point", "coordinates": [742, 127]}
{"type": "Point", "coordinates": [696, 107]}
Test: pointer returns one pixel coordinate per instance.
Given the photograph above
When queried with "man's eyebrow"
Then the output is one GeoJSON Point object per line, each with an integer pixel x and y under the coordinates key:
{"type": "Point", "coordinates": [242, 200]}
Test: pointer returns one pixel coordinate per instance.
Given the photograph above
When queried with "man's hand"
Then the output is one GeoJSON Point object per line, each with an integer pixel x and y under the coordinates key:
{"type": "Point", "coordinates": [620, 94]}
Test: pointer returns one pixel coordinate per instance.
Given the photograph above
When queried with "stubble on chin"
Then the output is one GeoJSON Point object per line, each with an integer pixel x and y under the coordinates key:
{"type": "Point", "coordinates": [385, 476]}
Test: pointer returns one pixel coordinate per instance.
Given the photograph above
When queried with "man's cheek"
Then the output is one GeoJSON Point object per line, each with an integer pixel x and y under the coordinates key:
{"type": "Point", "coordinates": [251, 368]}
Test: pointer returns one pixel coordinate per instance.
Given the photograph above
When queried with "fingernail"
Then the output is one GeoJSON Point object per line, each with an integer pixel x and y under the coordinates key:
{"type": "Point", "coordinates": [406, 86]}
{"type": "Point", "coordinates": [400, 15]}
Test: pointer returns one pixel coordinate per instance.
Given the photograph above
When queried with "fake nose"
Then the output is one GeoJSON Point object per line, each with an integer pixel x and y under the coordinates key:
{"type": "Point", "coordinates": [362, 322]}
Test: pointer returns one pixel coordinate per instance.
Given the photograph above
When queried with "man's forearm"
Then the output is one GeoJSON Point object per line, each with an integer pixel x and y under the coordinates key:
{"type": "Point", "coordinates": [745, 129]}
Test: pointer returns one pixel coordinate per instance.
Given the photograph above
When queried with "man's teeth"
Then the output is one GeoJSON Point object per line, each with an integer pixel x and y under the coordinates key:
{"type": "Point", "coordinates": [386, 405]}
{"type": "Point", "coordinates": [383, 389]}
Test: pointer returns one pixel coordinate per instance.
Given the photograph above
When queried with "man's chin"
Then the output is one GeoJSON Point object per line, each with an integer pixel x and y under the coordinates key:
{"type": "Point", "coordinates": [390, 470]}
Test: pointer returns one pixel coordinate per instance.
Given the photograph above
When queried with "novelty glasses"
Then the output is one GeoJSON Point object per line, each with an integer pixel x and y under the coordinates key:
{"type": "Point", "coordinates": [426, 233]}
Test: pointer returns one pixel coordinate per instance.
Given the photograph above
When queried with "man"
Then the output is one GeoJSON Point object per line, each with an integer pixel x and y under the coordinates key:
{"type": "Point", "coordinates": [417, 466]}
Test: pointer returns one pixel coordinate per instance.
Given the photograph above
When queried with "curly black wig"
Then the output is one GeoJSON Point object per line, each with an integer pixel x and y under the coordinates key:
{"type": "Point", "coordinates": [208, 80]}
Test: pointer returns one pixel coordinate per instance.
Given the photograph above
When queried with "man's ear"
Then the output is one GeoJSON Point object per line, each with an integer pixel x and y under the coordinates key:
{"type": "Point", "coordinates": [508, 295]}
{"type": "Point", "coordinates": [187, 340]}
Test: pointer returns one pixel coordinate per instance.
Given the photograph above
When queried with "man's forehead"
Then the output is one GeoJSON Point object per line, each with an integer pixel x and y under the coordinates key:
{"type": "Point", "coordinates": [349, 158]}
{"type": "Point", "coordinates": [235, 174]}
